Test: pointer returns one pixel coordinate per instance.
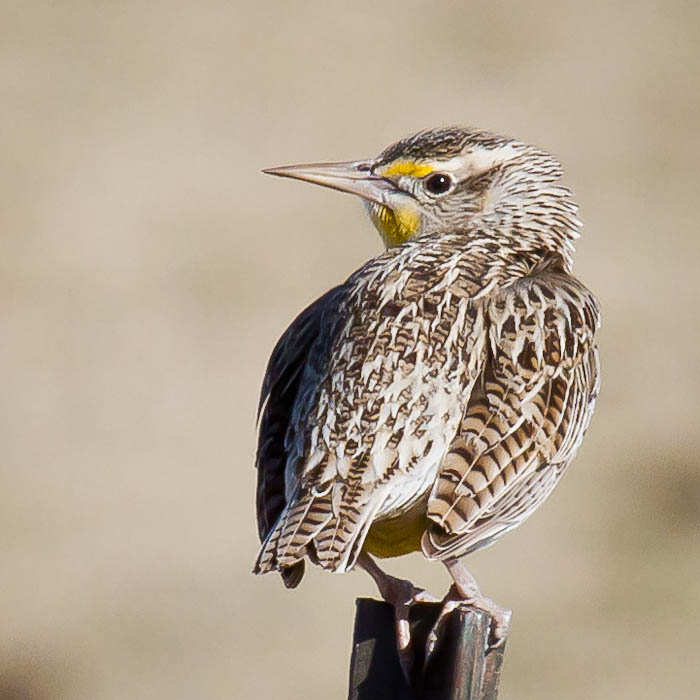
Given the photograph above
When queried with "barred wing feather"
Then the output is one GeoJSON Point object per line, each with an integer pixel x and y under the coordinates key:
{"type": "Point", "coordinates": [526, 417]}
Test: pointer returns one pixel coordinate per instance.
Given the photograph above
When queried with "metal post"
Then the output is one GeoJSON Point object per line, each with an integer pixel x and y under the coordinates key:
{"type": "Point", "coordinates": [459, 668]}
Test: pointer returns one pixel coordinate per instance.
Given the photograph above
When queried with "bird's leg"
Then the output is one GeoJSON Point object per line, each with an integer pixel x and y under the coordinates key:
{"type": "Point", "coordinates": [401, 594]}
{"type": "Point", "coordinates": [465, 591]}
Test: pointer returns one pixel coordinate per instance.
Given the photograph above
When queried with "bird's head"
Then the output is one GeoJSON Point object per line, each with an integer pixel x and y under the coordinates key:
{"type": "Point", "coordinates": [456, 179]}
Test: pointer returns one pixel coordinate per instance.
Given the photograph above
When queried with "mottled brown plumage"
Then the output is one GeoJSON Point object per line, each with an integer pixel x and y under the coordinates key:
{"type": "Point", "coordinates": [447, 384]}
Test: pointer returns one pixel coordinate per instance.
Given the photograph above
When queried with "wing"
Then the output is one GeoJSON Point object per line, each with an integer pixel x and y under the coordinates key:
{"type": "Point", "coordinates": [525, 418]}
{"type": "Point", "coordinates": [280, 390]}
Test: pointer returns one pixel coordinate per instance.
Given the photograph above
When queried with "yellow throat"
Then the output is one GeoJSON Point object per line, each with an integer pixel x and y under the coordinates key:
{"type": "Point", "coordinates": [395, 225]}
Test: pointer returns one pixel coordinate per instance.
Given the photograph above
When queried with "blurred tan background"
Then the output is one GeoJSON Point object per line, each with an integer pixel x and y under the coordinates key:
{"type": "Point", "coordinates": [147, 269]}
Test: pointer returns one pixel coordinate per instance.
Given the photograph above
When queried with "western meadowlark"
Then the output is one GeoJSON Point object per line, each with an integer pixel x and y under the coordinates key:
{"type": "Point", "coordinates": [433, 400]}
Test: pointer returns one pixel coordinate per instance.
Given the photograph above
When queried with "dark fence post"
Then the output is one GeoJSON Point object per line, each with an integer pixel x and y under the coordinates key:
{"type": "Point", "coordinates": [459, 667]}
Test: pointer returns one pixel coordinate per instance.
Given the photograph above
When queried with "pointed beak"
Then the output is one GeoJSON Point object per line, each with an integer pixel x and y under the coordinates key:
{"type": "Point", "coordinates": [354, 177]}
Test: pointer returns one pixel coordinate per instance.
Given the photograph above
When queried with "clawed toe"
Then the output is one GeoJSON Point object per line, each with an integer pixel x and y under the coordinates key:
{"type": "Point", "coordinates": [500, 619]}
{"type": "Point", "coordinates": [402, 595]}
{"type": "Point", "coordinates": [447, 607]}
{"type": "Point", "coordinates": [500, 622]}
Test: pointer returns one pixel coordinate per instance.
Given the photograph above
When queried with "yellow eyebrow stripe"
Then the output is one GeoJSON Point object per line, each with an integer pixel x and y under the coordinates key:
{"type": "Point", "coordinates": [406, 167]}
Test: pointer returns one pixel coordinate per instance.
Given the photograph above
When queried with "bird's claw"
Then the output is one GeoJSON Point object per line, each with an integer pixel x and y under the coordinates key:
{"type": "Point", "coordinates": [434, 634]}
{"type": "Point", "coordinates": [500, 619]}
{"type": "Point", "coordinates": [403, 594]}
{"type": "Point", "coordinates": [500, 622]}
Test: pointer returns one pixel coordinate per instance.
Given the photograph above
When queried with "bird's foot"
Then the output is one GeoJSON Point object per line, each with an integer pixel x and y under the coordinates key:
{"type": "Point", "coordinates": [457, 598]}
{"type": "Point", "coordinates": [402, 594]}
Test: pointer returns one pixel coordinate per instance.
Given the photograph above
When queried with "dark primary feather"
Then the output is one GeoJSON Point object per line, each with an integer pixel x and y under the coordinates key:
{"type": "Point", "coordinates": [280, 389]}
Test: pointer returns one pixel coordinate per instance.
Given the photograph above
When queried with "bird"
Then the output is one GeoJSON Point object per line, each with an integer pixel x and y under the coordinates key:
{"type": "Point", "coordinates": [432, 401]}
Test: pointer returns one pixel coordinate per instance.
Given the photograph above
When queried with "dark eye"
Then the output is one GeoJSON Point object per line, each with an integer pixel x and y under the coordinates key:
{"type": "Point", "coordinates": [438, 183]}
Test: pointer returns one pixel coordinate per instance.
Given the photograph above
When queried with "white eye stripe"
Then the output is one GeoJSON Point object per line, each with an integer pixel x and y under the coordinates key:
{"type": "Point", "coordinates": [476, 160]}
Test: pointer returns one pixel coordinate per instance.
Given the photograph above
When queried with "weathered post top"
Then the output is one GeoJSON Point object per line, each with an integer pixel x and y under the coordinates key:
{"type": "Point", "coordinates": [460, 667]}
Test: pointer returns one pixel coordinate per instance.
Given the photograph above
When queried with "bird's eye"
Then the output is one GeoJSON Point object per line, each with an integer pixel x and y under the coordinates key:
{"type": "Point", "coordinates": [438, 183]}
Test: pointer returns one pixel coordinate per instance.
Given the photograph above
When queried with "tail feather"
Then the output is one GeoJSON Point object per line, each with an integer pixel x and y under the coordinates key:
{"type": "Point", "coordinates": [286, 544]}
{"type": "Point", "coordinates": [292, 575]}
{"type": "Point", "coordinates": [309, 527]}
{"type": "Point", "coordinates": [339, 543]}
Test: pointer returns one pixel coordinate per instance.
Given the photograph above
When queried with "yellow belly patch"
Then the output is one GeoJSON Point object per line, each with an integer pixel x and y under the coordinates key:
{"type": "Point", "coordinates": [394, 537]}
